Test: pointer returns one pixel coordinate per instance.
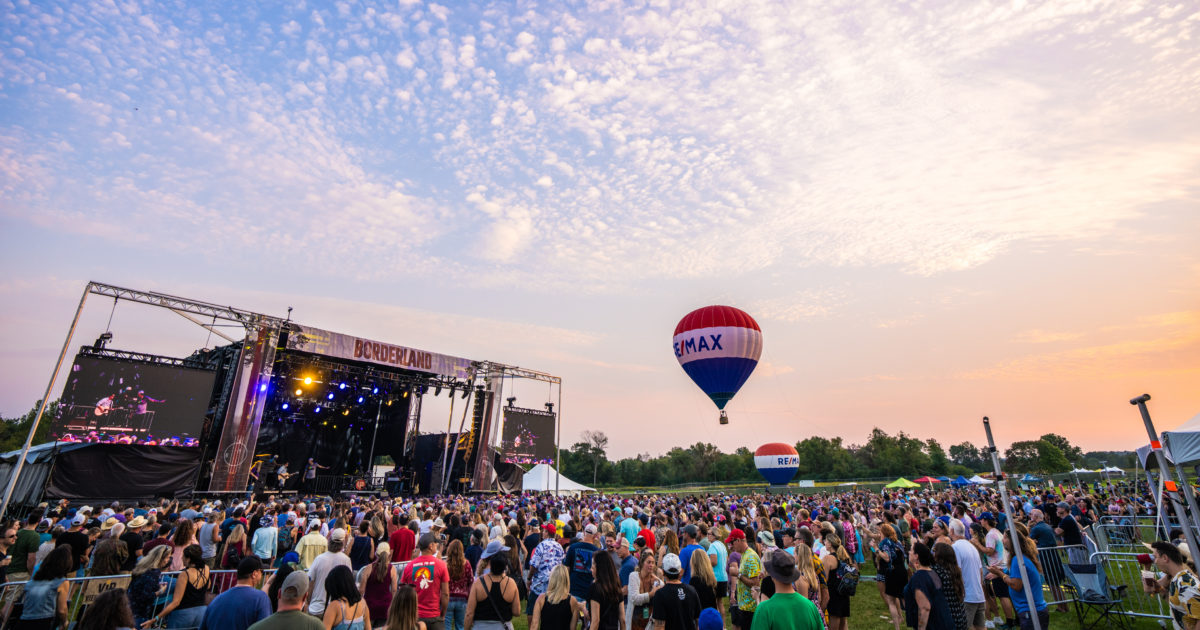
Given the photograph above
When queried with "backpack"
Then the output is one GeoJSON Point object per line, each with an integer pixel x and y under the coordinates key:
{"type": "Point", "coordinates": [847, 579]}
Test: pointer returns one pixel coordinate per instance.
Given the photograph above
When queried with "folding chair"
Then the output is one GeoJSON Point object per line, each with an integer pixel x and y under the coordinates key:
{"type": "Point", "coordinates": [1093, 594]}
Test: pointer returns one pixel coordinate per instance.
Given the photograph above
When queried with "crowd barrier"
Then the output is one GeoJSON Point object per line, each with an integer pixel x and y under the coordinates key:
{"type": "Point", "coordinates": [83, 591]}
{"type": "Point", "coordinates": [1122, 568]}
{"type": "Point", "coordinates": [1052, 559]}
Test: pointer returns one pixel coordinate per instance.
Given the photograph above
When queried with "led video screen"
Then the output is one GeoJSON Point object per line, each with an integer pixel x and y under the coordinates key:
{"type": "Point", "coordinates": [528, 437]}
{"type": "Point", "coordinates": [119, 401]}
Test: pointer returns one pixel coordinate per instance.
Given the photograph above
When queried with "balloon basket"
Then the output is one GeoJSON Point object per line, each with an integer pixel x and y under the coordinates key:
{"type": "Point", "coordinates": [724, 417]}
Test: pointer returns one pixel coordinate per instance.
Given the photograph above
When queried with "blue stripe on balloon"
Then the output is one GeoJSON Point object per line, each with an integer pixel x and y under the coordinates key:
{"type": "Point", "coordinates": [777, 476]}
{"type": "Point", "coordinates": [720, 378]}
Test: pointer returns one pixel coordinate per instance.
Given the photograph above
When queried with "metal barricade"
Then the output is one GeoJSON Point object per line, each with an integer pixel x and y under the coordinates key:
{"type": "Point", "coordinates": [1052, 559]}
{"type": "Point", "coordinates": [1122, 568]}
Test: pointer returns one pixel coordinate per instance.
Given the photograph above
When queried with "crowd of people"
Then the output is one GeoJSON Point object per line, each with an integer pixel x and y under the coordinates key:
{"type": "Point", "coordinates": [941, 559]}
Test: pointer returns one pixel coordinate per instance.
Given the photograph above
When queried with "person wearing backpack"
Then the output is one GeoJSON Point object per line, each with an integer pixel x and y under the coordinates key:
{"type": "Point", "coordinates": [841, 580]}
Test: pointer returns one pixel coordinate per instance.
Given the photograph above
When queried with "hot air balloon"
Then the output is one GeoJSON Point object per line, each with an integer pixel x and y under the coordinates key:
{"type": "Point", "coordinates": [718, 347]}
{"type": "Point", "coordinates": [776, 462]}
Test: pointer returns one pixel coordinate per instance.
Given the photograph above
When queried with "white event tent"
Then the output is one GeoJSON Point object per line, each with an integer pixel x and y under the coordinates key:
{"type": "Point", "coordinates": [980, 480]}
{"type": "Point", "coordinates": [543, 477]}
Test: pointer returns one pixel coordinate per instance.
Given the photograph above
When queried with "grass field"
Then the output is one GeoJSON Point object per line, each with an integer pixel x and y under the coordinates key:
{"type": "Point", "coordinates": [867, 612]}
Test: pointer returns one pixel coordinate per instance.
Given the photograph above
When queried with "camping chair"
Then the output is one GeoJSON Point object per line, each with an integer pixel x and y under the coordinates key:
{"type": "Point", "coordinates": [1093, 593]}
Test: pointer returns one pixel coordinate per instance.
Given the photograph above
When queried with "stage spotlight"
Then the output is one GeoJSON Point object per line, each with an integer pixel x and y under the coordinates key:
{"type": "Point", "coordinates": [466, 392]}
{"type": "Point", "coordinates": [308, 380]}
{"type": "Point", "coordinates": [284, 406]}
{"type": "Point", "coordinates": [360, 399]}
{"type": "Point", "coordinates": [437, 390]}
{"type": "Point", "coordinates": [325, 424]}
{"type": "Point", "coordinates": [550, 407]}
{"type": "Point", "coordinates": [346, 412]}
{"type": "Point", "coordinates": [405, 394]}
{"type": "Point", "coordinates": [317, 410]}
{"type": "Point", "coordinates": [512, 400]}
{"type": "Point", "coordinates": [262, 388]}
{"type": "Point", "coordinates": [374, 390]}
{"type": "Point", "coordinates": [298, 392]}
{"type": "Point", "coordinates": [330, 396]}
{"type": "Point", "coordinates": [341, 386]}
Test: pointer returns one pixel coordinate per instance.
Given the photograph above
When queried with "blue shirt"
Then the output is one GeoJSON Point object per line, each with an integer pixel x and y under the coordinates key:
{"type": "Point", "coordinates": [630, 528]}
{"type": "Point", "coordinates": [685, 558]}
{"type": "Point", "coordinates": [718, 549]}
{"type": "Point", "coordinates": [628, 566]}
{"type": "Point", "coordinates": [1035, 582]}
{"type": "Point", "coordinates": [236, 609]}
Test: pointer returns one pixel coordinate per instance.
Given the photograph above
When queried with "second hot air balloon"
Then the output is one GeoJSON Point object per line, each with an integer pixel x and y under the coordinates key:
{"type": "Point", "coordinates": [718, 347]}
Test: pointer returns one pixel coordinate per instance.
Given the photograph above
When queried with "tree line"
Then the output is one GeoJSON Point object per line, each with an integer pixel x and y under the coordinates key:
{"type": "Point", "coordinates": [882, 456]}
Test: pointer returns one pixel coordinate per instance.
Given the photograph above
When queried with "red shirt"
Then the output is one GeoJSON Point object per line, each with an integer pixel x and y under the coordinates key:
{"type": "Point", "coordinates": [649, 536]}
{"type": "Point", "coordinates": [427, 574]}
{"type": "Point", "coordinates": [402, 542]}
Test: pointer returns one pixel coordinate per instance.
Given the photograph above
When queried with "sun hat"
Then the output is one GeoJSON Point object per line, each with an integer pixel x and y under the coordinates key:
{"type": "Point", "coordinates": [492, 549]}
{"type": "Point", "coordinates": [780, 565]}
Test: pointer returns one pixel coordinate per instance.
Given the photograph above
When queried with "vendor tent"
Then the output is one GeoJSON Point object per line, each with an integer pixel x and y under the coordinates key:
{"type": "Point", "coordinates": [903, 483]}
{"type": "Point", "coordinates": [943, 479]}
{"type": "Point", "coordinates": [980, 480]}
{"type": "Point", "coordinates": [1183, 445]}
{"type": "Point", "coordinates": [1113, 469]}
{"type": "Point", "coordinates": [543, 477]}
{"type": "Point", "coordinates": [1028, 478]}
{"type": "Point", "coordinates": [1080, 471]}
{"type": "Point", "coordinates": [928, 480]}
{"type": "Point", "coordinates": [960, 481]}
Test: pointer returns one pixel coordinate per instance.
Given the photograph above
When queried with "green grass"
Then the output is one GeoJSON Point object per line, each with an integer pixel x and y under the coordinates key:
{"type": "Point", "coordinates": [868, 612]}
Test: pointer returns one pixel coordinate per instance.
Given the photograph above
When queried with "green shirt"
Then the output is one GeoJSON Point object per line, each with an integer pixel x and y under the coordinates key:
{"type": "Point", "coordinates": [750, 567]}
{"type": "Point", "coordinates": [787, 611]}
{"type": "Point", "coordinates": [289, 620]}
{"type": "Point", "coordinates": [28, 542]}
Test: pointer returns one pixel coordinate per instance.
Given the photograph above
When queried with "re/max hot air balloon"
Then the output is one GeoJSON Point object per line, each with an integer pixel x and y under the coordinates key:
{"type": "Point", "coordinates": [718, 347]}
{"type": "Point", "coordinates": [777, 463]}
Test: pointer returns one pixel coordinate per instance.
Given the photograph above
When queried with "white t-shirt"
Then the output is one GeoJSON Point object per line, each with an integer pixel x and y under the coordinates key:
{"type": "Point", "coordinates": [426, 526]}
{"type": "Point", "coordinates": [317, 573]}
{"type": "Point", "coordinates": [972, 571]}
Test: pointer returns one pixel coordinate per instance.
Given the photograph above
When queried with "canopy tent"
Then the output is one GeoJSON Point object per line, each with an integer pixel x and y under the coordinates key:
{"type": "Point", "coordinates": [1113, 469]}
{"type": "Point", "coordinates": [1183, 445]}
{"type": "Point", "coordinates": [928, 480]}
{"type": "Point", "coordinates": [903, 483]}
{"type": "Point", "coordinates": [980, 480]}
{"type": "Point", "coordinates": [943, 479]}
{"type": "Point", "coordinates": [1028, 478]}
{"type": "Point", "coordinates": [1080, 471]}
{"type": "Point", "coordinates": [960, 481]}
{"type": "Point", "coordinates": [543, 477]}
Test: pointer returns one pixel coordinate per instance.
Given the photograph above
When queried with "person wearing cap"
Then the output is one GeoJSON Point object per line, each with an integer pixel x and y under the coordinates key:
{"type": "Point", "coordinates": [547, 555]}
{"type": "Point", "coordinates": [242, 605]}
{"type": "Point", "coordinates": [749, 577]}
{"type": "Point", "coordinates": [629, 526]}
{"type": "Point", "coordinates": [429, 575]}
{"type": "Point", "coordinates": [691, 543]}
{"type": "Point", "coordinates": [786, 609]}
{"type": "Point", "coordinates": [1068, 528]}
{"type": "Point", "coordinates": [291, 615]}
{"type": "Point", "coordinates": [578, 560]}
{"type": "Point", "coordinates": [992, 548]}
{"type": "Point", "coordinates": [675, 605]}
{"type": "Point", "coordinates": [79, 541]}
{"type": "Point", "coordinates": [321, 567]}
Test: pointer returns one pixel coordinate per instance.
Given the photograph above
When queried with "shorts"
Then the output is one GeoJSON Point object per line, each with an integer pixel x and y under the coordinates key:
{"type": "Point", "coordinates": [1027, 623]}
{"type": "Point", "coordinates": [975, 612]}
{"type": "Point", "coordinates": [995, 587]}
{"type": "Point", "coordinates": [434, 623]}
{"type": "Point", "coordinates": [722, 590]}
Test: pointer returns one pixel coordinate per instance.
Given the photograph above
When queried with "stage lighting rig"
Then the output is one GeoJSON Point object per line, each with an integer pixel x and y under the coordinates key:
{"type": "Point", "coordinates": [102, 341]}
{"type": "Point", "coordinates": [512, 400]}
{"type": "Point", "coordinates": [549, 407]}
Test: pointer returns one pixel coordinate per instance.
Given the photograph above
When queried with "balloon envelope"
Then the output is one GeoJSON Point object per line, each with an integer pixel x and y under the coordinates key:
{"type": "Point", "coordinates": [718, 347]}
{"type": "Point", "coordinates": [776, 462]}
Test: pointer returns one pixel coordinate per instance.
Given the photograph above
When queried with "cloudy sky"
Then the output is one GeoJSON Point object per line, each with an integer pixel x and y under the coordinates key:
{"type": "Point", "coordinates": [935, 210]}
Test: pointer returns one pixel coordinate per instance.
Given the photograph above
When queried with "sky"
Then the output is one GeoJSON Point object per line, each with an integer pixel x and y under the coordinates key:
{"type": "Point", "coordinates": [935, 211]}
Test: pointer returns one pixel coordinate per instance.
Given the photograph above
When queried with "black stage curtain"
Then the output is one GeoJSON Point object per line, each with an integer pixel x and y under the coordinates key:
{"type": "Point", "coordinates": [509, 477]}
{"type": "Point", "coordinates": [124, 471]}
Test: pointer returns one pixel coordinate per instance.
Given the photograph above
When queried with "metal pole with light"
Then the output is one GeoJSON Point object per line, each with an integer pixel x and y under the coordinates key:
{"type": "Point", "coordinates": [16, 471]}
{"type": "Point", "coordinates": [1163, 469]}
{"type": "Point", "coordinates": [1012, 527]}
{"type": "Point", "coordinates": [558, 442]}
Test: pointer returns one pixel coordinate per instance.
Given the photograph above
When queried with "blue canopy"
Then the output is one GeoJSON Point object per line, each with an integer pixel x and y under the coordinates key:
{"type": "Point", "coordinates": [943, 479]}
{"type": "Point", "coordinates": [1029, 477]}
{"type": "Point", "coordinates": [960, 481]}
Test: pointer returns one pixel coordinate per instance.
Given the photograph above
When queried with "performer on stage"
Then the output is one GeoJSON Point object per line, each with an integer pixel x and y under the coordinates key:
{"type": "Point", "coordinates": [310, 474]}
{"type": "Point", "coordinates": [282, 474]}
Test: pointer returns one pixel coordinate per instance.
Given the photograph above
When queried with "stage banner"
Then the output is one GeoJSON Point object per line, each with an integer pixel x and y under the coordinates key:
{"type": "Point", "coordinates": [231, 468]}
{"type": "Point", "coordinates": [331, 344]}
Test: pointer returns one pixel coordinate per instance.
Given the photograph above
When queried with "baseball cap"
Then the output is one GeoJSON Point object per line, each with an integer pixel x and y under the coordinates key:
{"type": "Point", "coordinates": [549, 528]}
{"type": "Point", "coordinates": [671, 565]}
{"type": "Point", "coordinates": [426, 541]}
{"type": "Point", "coordinates": [338, 534]}
{"type": "Point", "coordinates": [79, 519]}
{"type": "Point", "coordinates": [294, 586]}
{"type": "Point", "coordinates": [691, 530]}
{"type": "Point", "coordinates": [589, 528]}
{"type": "Point", "coordinates": [736, 534]}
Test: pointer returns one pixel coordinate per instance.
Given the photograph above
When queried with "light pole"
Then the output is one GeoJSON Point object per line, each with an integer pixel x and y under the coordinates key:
{"type": "Point", "coordinates": [1104, 470]}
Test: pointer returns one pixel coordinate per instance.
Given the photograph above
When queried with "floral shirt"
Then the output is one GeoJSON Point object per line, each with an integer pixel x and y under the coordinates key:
{"type": "Point", "coordinates": [547, 555]}
{"type": "Point", "coordinates": [1184, 596]}
{"type": "Point", "coordinates": [751, 567]}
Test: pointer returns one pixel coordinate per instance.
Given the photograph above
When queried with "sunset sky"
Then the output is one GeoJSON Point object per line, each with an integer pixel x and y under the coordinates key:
{"type": "Point", "coordinates": [936, 211]}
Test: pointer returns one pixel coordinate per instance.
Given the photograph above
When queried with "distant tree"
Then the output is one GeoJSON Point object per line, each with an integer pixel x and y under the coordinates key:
{"type": "Point", "coordinates": [939, 464]}
{"type": "Point", "coordinates": [967, 455]}
{"type": "Point", "coordinates": [597, 442]}
{"type": "Point", "coordinates": [822, 458]}
{"type": "Point", "coordinates": [13, 431]}
{"type": "Point", "coordinates": [1072, 453]}
{"type": "Point", "coordinates": [1035, 456]}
